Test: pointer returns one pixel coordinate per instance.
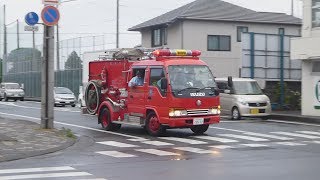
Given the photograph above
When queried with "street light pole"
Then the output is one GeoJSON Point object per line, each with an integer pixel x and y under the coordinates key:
{"type": "Point", "coordinates": [117, 24]}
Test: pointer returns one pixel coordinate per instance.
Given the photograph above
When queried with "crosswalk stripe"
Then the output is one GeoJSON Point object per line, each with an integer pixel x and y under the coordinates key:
{"type": "Point", "coordinates": [221, 147]}
{"type": "Point", "coordinates": [194, 150]}
{"type": "Point", "coordinates": [297, 135]}
{"type": "Point", "coordinates": [254, 145]}
{"type": "Point", "coordinates": [184, 140]}
{"type": "Point", "coordinates": [268, 136]}
{"type": "Point", "coordinates": [315, 142]}
{"type": "Point", "coordinates": [117, 144]}
{"type": "Point", "coordinates": [290, 144]}
{"type": "Point", "coordinates": [42, 169]}
{"type": "Point", "coordinates": [309, 132]}
{"type": "Point", "coordinates": [138, 139]}
{"type": "Point", "coordinates": [116, 154]}
{"type": "Point", "coordinates": [158, 152]}
{"type": "Point", "coordinates": [49, 175]}
{"type": "Point", "coordinates": [223, 140]}
{"type": "Point", "coordinates": [243, 137]}
{"type": "Point", "coordinates": [157, 143]}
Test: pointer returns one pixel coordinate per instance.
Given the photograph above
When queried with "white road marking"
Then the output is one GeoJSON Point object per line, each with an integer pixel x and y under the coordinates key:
{"type": "Point", "coordinates": [254, 145]}
{"type": "Point", "coordinates": [42, 169]}
{"type": "Point", "coordinates": [116, 154]}
{"type": "Point", "coordinates": [221, 147]}
{"type": "Point", "coordinates": [297, 135]}
{"type": "Point", "coordinates": [223, 140]}
{"type": "Point", "coordinates": [117, 144]}
{"type": "Point", "coordinates": [158, 152]}
{"type": "Point", "coordinates": [290, 143]}
{"type": "Point", "coordinates": [234, 130]}
{"type": "Point", "coordinates": [73, 125]}
{"type": "Point", "coordinates": [309, 132]}
{"type": "Point", "coordinates": [297, 123]}
{"type": "Point", "coordinates": [194, 150]}
{"type": "Point", "coordinates": [49, 175]}
{"type": "Point", "coordinates": [138, 139]}
{"type": "Point", "coordinates": [184, 140]}
{"type": "Point", "coordinates": [243, 137]}
{"type": "Point", "coordinates": [37, 108]}
{"type": "Point", "coordinates": [157, 143]}
{"type": "Point", "coordinates": [268, 136]}
{"type": "Point", "coordinates": [315, 142]}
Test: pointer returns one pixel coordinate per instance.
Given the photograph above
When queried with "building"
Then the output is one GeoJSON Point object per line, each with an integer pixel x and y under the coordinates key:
{"type": "Point", "coordinates": [307, 49]}
{"type": "Point", "coordinates": [214, 27]}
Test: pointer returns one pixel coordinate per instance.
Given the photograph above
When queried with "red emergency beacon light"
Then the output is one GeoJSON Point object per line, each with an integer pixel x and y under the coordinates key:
{"type": "Point", "coordinates": [179, 52]}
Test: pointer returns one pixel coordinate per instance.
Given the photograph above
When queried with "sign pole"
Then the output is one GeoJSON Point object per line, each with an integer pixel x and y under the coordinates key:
{"type": "Point", "coordinates": [47, 102]}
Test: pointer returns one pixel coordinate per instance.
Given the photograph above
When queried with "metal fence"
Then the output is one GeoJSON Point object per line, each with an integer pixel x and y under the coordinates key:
{"type": "Point", "coordinates": [23, 61]}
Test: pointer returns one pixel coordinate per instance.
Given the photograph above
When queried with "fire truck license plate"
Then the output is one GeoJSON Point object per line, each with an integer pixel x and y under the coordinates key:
{"type": "Point", "coordinates": [198, 121]}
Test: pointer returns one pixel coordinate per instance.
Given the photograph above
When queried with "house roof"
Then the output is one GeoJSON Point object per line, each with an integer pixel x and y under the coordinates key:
{"type": "Point", "coordinates": [217, 10]}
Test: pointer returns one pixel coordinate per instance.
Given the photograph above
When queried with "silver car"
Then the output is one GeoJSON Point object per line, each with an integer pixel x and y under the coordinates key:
{"type": "Point", "coordinates": [242, 97]}
{"type": "Point", "coordinates": [63, 96]}
{"type": "Point", "coordinates": [11, 91]}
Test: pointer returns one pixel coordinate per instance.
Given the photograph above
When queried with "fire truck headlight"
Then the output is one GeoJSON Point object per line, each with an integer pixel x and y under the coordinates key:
{"type": "Point", "coordinates": [177, 112]}
{"type": "Point", "coordinates": [215, 110]}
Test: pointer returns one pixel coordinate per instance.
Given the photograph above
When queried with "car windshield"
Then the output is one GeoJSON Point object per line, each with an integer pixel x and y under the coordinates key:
{"type": "Point", "coordinates": [12, 86]}
{"type": "Point", "coordinates": [190, 76]}
{"type": "Point", "coordinates": [247, 88]}
{"type": "Point", "coordinates": [62, 91]}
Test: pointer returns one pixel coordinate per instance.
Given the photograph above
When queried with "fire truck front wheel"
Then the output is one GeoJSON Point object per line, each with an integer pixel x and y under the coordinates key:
{"type": "Point", "coordinates": [153, 125]}
{"type": "Point", "coordinates": [200, 129]}
{"type": "Point", "coordinates": [105, 121]}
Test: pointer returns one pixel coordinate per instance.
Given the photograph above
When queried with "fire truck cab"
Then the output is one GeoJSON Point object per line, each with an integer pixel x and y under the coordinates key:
{"type": "Point", "coordinates": [177, 90]}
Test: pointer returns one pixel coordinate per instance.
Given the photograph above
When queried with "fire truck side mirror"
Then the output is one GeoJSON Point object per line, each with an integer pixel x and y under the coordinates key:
{"type": "Point", "coordinates": [164, 83]}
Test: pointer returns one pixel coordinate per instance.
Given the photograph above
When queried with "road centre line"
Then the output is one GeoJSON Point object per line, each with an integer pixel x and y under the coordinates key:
{"type": "Point", "coordinates": [289, 122]}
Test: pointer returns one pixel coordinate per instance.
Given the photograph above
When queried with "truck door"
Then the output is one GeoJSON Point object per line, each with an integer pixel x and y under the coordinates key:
{"type": "Point", "coordinates": [136, 93]}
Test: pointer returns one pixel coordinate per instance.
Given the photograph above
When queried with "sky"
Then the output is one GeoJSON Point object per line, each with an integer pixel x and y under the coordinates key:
{"type": "Point", "coordinates": [82, 18]}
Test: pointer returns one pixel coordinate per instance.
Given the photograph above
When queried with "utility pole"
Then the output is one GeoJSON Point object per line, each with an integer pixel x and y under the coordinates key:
{"type": "Point", "coordinates": [292, 7]}
{"type": "Point", "coordinates": [4, 62]}
{"type": "Point", "coordinates": [18, 36]}
{"type": "Point", "coordinates": [58, 49]}
{"type": "Point", "coordinates": [117, 24]}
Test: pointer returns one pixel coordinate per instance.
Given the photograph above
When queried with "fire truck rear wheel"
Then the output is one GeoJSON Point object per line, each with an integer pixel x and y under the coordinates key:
{"type": "Point", "coordinates": [200, 129]}
{"type": "Point", "coordinates": [153, 125]}
{"type": "Point", "coordinates": [105, 121]}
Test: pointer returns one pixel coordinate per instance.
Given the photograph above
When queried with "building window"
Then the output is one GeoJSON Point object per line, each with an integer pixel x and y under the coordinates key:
{"type": "Point", "coordinates": [315, 13]}
{"type": "Point", "coordinates": [281, 31]}
{"type": "Point", "coordinates": [219, 43]}
{"type": "Point", "coordinates": [240, 30]}
{"type": "Point", "coordinates": [316, 66]}
{"type": "Point", "coordinates": [159, 37]}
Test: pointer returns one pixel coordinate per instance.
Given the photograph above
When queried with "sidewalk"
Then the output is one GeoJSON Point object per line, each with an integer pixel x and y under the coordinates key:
{"type": "Point", "coordinates": [22, 139]}
{"type": "Point", "coordinates": [294, 116]}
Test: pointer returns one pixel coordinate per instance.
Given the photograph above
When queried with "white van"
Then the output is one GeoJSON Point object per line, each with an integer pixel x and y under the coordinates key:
{"type": "Point", "coordinates": [243, 97]}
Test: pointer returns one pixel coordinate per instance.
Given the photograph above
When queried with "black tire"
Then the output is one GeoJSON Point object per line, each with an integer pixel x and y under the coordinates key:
{"type": "Point", "coordinates": [235, 114]}
{"type": "Point", "coordinates": [92, 97]}
{"type": "Point", "coordinates": [200, 129]}
{"type": "Point", "coordinates": [15, 100]}
{"type": "Point", "coordinates": [21, 99]}
{"type": "Point", "coordinates": [153, 126]}
{"type": "Point", "coordinates": [73, 105]}
{"type": "Point", "coordinates": [5, 97]}
{"type": "Point", "coordinates": [105, 121]}
{"type": "Point", "coordinates": [55, 105]}
{"type": "Point", "coordinates": [265, 117]}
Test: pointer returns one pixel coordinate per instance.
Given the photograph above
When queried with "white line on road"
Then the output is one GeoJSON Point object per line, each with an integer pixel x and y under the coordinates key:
{"type": "Point", "coordinates": [50, 175]}
{"type": "Point", "coordinates": [269, 136]}
{"type": "Point", "coordinates": [194, 150]}
{"type": "Point", "coordinates": [116, 144]}
{"type": "Point", "coordinates": [158, 152]}
{"type": "Point", "coordinates": [42, 169]}
{"type": "Point", "coordinates": [116, 154]}
{"type": "Point", "coordinates": [290, 144]}
{"type": "Point", "coordinates": [297, 123]}
{"type": "Point", "coordinates": [234, 130]}
{"type": "Point", "coordinates": [254, 145]}
{"type": "Point", "coordinates": [184, 140]}
{"type": "Point", "coordinates": [223, 140]}
{"type": "Point", "coordinates": [243, 137]}
{"type": "Point", "coordinates": [157, 143]}
{"type": "Point", "coordinates": [309, 132]}
{"type": "Point", "coordinates": [297, 135]}
{"type": "Point", "coordinates": [221, 147]}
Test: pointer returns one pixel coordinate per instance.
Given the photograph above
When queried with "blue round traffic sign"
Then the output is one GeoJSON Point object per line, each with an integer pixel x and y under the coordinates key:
{"type": "Point", "coordinates": [50, 15]}
{"type": "Point", "coordinates": [31, 18]}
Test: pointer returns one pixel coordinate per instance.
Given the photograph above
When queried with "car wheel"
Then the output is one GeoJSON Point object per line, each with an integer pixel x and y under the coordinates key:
{"type": "Point", "coordinates": [200, 129]}
{"type": "Point", "coordinates": [105, 120]}
{"type": "Point", "coordinates": [153, 125]}
{"type": "Point", "coordinates": [235, 114]}
{"type": "Point", "coordinates": [73, 105]}
{"type": "Point", "coordinates": [22, 99]}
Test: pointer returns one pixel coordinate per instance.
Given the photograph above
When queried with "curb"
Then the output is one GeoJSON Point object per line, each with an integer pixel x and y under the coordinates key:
{"type": "Point", "coordinates": [295, 118]}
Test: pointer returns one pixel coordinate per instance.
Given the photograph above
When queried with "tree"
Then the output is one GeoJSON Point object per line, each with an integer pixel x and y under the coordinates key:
{"type": "Point", "coordinates": [23, 60]}
{"type": "Point", "coordinates": [73, 61]}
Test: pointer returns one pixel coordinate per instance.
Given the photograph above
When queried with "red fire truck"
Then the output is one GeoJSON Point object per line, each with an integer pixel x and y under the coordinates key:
{"type": "Point", "coordinates": [178, 90]}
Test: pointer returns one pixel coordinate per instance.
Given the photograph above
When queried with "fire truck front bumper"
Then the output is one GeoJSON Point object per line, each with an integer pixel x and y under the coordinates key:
{"type": "Point", "coordinates": [182, 122]}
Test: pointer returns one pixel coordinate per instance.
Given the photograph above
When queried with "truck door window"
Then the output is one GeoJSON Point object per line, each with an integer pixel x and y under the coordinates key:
{"type": "Point", "coordinates": [138, 76]}
{"type": "Point", "coordinates": [156, 74]}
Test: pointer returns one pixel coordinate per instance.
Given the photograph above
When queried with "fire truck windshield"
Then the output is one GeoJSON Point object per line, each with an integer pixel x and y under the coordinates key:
{"type": "Point", "coordinates": [190, 77]}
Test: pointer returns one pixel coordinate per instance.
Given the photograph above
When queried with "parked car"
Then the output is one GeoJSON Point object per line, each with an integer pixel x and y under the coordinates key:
{"type": "Point", "coordinates": [63, 96]}
{"type": "Point", "coordinates": [11, 91]}
{"type": "Point", "coordinates": [242, 97]}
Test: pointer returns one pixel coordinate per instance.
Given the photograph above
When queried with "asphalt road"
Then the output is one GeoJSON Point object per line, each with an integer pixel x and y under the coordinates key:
{"type": "Point", "coordinates": [243, 150]}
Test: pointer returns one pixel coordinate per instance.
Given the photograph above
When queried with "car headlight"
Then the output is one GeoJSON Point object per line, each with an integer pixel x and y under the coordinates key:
{"type": "Point", "coordinates": [177, 112]}
{"type": "Point", "coordinates": [215, 110]}
{"type": "Point", "coordinates": [243, 102]}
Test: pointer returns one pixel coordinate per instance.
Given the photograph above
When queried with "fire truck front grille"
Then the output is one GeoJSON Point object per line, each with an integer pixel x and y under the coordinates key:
{"type": "Point", "coordinates": [197, 112]}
